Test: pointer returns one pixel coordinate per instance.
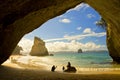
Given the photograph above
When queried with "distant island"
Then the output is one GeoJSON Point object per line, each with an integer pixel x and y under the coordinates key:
{"type": "Point", "coordinates": [80, 51]}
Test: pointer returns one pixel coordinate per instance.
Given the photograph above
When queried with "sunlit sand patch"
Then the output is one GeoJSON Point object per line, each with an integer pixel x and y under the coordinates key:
{"type": "Point", "coordinates": [9, 64]}
{"type": "Point", "coordinates": [44, 63]}
{"type": "Point", "coordinates": [28, 62]}
{"type": "Point", "coordinates": [99, 69]}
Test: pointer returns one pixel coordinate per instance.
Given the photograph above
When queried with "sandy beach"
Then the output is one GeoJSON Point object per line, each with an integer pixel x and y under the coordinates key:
{"type": "Point", "coordinates": [12, 71]}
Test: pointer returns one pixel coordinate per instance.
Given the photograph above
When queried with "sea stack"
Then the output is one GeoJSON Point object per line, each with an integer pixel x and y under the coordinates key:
{"type": "Point", "coordinates": [79, 50]}
{"type": "Point", "coordinates": [38, 48]}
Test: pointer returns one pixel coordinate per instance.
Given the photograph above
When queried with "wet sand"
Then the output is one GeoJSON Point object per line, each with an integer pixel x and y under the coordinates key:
{"type": "Point", "coordinates": [11, 71]}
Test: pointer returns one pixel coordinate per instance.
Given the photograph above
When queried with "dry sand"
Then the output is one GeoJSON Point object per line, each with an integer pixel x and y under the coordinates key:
{"type": "Point", "coordinates": [11, 71]}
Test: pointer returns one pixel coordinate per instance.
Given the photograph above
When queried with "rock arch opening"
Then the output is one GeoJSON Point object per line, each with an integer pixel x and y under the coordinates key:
{"type": "Point", "coordinates": [66, 34]}
{"type": "Point", "coordinates": [70, 31]}
{"type": "Point", "coordinates": [34, 16]}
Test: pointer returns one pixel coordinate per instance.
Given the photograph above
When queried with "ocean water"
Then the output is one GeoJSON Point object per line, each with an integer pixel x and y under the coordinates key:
{"type": "Point", "coordinates": [82, 61]}
{"type": "Point", "coordinates": [99, 59]}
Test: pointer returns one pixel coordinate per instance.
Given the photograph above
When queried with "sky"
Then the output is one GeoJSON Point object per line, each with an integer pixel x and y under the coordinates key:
{"type": "Point", "coordinates": [70, 31]}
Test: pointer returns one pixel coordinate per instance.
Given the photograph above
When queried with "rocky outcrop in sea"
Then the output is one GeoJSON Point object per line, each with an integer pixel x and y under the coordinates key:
{"type": "Point", "coordinates": [38, 48]}
{"type": "Point", "coordinates": [80, 51]}
{"type": "Point", "coordinates": [17, 50]}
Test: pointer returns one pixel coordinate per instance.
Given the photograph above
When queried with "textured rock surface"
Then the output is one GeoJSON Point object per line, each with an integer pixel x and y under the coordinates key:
{"type": "Point", "coordinates": [19, 17]}
{"type": "Point", "coordinates": [110, 11]}
{"type": "Point", "coordinates": [38, 48]}
{"type": "Point", "coordinates": [79, 50]}
{"type": "Point", "coordinates": [71, 69]}
{"type": "Point", "coordinates": [17, 50]}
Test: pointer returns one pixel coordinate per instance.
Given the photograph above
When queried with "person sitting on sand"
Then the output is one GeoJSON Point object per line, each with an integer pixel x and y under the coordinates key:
{"type": "Point", "coordinates": [53, 68]}
{"type": "Point", "coordinates": [63, 68]}
{"type": "Point", "coordinates": [69, 65]}
{"type": "Point", "coordinates": [70, 68]}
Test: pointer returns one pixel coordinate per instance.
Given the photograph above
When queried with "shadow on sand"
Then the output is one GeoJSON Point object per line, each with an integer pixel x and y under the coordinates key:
{"type": "Point", "coordinates": [9, 73]}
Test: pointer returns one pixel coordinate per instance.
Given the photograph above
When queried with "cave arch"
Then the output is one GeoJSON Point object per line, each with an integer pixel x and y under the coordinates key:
{"type": "Point", "coordinates": [18, 18]}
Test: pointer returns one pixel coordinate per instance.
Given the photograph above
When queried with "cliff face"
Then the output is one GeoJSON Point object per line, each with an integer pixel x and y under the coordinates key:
{"type": "Point", "coordinates": [17, 50]}
{"type": "Point", "coordinates": [19, 17]}
{"type": "Point", "coordinates": [38, 48]}
{"type": "Point", "coordinates": [110, 11]}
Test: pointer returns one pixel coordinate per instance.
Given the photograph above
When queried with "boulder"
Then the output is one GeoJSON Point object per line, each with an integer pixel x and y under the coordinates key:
{"type": "Point", "coordinates": [71, 69]}
{"type": "Point", "coordinates": [51, 54]}
{"type": "Point", "coordinates": [38, 48]}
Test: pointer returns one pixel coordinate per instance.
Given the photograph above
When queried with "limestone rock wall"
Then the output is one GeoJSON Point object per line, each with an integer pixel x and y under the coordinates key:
{"type": "Point", "coordinates": [17, 50]}
{"type": "Point", "coordinates": [38, 48]}
{"type": "Point", "coordinates": [19, 17]}
{"type": "Point", "coordinates": [110, 11]}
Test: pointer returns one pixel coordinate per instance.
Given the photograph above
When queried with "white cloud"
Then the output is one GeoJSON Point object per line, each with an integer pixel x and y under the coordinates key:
{"type": "Point", "coordinates": [90, 15]}
{"type": "Point", "coordinates": [56, 46]}
{"type": "Point", "coordinates": [73, 46]}
{"type": "Point", "coordinates": [88, 31]}
{"type": "Point", "coordinates": [26, 44]}
{"type": "Point", "coordinates": [65, 20]}
{"type": "Point", "coordinates": [78, 28]}
{"type": "Point", "coordinates": [79, 7]}
{"type": "Point", "coordinates": [78, 37]}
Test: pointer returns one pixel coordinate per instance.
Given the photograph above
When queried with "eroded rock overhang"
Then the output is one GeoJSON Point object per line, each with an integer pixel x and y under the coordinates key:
{"type": "Point", "coordinates": [20, 17]}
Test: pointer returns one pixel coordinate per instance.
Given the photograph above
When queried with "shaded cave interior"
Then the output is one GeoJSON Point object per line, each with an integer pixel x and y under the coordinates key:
{"type": "Point", "coordinates": [15, 21]}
